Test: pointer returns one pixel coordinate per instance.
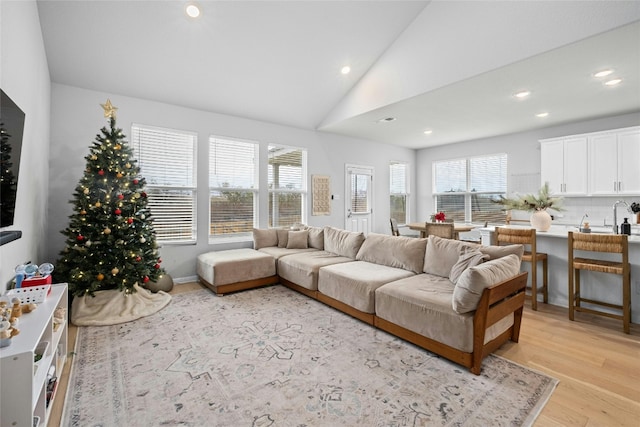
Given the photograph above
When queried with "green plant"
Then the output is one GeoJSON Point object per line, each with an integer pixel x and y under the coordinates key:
{"type": "Point", "coordinates": [530, 202]}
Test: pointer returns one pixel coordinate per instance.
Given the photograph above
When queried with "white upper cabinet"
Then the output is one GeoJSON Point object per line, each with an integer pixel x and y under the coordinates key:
{"type": "Point", "coordinates": [615, 162]}
{"type": "Point", "coordinates": [598, 163]}
{"type": "Point", "coordinates": [564, 165]}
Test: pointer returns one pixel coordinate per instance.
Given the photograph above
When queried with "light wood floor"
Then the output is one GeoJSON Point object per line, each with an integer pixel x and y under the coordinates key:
{"type": "Point", "coordinates": [597, 364]}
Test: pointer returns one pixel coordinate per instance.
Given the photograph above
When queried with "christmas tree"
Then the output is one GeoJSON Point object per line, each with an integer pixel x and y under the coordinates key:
{"type": "Point", "coordinates": [110, 240]}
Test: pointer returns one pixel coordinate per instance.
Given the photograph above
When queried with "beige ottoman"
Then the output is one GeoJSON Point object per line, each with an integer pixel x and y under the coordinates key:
{"type": "Point", "coordinates": [236, 269]}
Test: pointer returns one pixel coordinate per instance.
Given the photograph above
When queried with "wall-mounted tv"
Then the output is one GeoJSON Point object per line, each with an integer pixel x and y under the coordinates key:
{"type": "Point", "coordinates": [11, 130]}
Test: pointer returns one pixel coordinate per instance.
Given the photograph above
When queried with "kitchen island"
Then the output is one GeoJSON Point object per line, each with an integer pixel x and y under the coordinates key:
{"type": "Point", "coordinates": [600, 286]}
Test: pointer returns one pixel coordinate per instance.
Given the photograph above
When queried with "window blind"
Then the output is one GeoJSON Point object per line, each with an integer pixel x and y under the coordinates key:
{"type": "Point", "coordinates": [166, 158]}
{"type": "Point", "coordinates": [466, 189]}
{"type": "Point", "coordinates": [398, 190]}
{"type": "Point", "coordinates": [233, 185]}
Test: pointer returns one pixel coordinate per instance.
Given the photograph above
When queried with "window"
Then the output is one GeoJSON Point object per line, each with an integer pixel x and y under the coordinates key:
{"type": "Point", "coordinates": [166, 158]}
{"type": "Point", "coordinates": [287, 185]}
{"type": "Point", "coordinates": [233, 186]}
{"type": "Point", "coordinates": [467, 189]}
{"type": "Point", "coordinates": [398, 190]}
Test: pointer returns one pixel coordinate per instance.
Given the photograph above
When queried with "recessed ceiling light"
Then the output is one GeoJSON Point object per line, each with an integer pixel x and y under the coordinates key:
{"type": "Point", "coordinates": [522, 94]}
{"type": "Point", "coordinates": [428, 132]}
{"type": "Point", "coordinates": [613, 82]}
{"type": "Point", "coordinates": [387, 120]}
{"type": "Point", "coordinates": [603, 73]}
{"type": "Point", "coordinates": [345, 70]}
{"type": "Point", "coordinates": [192, 10]}
{"type": "Point", "coordinates": [542, 115]}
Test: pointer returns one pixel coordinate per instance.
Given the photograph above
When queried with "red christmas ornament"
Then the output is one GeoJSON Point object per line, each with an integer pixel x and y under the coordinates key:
{"type": "Point", "coordinates": [117, 211]}
{"type": "Point", "coordinates": [129, 220]}
{"type": "Point", "coordinates": [156, 266]}
{"type": "Point", "coordinates": [80, 238]}
{"type": "Point", "coordinates": [146, 279]}
{"type": "Point", "coordinates": [159, 260]}
{"type": "Point", "coordinates": [138, 259]}
{"type": "Point", "coordinates": [100, 172]}
{"type": "Point", "coordinates": [120, 196]}
{"type": "Point", "coordinates": [135, 181]}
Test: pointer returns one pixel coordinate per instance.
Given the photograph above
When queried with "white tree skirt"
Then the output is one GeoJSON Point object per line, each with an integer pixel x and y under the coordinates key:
{"type": "Point", "coordinates": [112, 306]}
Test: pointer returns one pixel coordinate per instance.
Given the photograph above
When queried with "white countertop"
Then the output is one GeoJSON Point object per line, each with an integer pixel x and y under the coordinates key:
{"type": "Point", "coordinates": [563, 230]}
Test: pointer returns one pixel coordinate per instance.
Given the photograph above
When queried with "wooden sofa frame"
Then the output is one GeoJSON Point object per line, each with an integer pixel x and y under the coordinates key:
{"type": "Point", "coordinates": [497, 302]}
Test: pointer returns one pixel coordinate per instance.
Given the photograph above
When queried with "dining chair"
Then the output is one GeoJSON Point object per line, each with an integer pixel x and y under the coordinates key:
{"type": "Point", "coordinates": [440, 229]}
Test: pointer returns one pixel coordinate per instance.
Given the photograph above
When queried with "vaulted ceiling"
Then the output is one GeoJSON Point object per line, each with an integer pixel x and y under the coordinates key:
{"type": "Point", "coordinates": [448, 67]}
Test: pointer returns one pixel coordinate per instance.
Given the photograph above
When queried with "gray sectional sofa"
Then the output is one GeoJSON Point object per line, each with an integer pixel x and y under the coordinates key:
{"type": "Point", "coordinates": [456, 299]}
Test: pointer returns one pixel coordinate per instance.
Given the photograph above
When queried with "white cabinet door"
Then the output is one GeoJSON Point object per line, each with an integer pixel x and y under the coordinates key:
{"type": "Point", "coordinates": [629, 162]}
{"type": "Point", "coordinates": [575, 166]}
{"type": "Point", "coordinates": [551, 165]}
{"type": "Point", "coordinates": [604, 164]}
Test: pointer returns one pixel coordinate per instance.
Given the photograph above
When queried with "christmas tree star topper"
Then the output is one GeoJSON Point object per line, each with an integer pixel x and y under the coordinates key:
{"type": "Point", "coordinates": [109, 110]}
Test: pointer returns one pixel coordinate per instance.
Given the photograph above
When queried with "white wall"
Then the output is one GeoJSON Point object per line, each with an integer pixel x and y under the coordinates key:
{"type": "Point", "coordinates": [24, 76]}
{"type": "Point", "coordinates": [76, 117]}
{"type": "Point", "coordinates": [523, 151]}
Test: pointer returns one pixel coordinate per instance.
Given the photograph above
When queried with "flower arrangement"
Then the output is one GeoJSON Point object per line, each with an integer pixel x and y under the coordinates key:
{"type": "Point", "coordinates": [530, 202]}
{"type": "Point", "coordinates": [440, 216]}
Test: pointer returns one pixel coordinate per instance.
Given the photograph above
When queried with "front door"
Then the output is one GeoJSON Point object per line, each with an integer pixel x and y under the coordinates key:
{"type": "Point", "coordinates": [359, 198]}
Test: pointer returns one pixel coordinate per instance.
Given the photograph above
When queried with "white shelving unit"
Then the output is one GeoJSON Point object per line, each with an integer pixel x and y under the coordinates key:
{"type": "Point", "coordinates": [24, 397]}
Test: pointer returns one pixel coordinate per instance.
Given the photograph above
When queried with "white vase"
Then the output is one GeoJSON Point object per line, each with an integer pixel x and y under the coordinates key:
{"type": "Point", "coordinates": [541, 220]}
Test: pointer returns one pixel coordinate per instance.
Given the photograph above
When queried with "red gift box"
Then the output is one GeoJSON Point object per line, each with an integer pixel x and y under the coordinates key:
{"type": "Point", "coordinates": [37, 281]}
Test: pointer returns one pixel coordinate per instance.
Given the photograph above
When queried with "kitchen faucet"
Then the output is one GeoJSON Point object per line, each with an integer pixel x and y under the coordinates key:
{"type": "Point", "coordinates": [615, 215]}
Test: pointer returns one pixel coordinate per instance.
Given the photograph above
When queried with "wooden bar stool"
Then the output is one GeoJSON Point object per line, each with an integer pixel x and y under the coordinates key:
{"type": "Point", "coordinates": [608, 243]}
{"type": "Point", "coordinates": [527, 237]}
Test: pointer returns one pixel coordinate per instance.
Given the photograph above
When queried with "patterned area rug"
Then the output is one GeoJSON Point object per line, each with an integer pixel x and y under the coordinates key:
{"type": "Point", "coordinates": [273, 357]}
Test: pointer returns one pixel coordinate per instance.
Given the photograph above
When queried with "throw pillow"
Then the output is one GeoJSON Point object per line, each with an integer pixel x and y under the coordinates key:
{"type": "Point", "coordinates": [264, 238]}
{"type": "Point", "coordinates": [501, 251]}
{"type": "Point", "coordinates": [283, 237]}
{"type": "Point", "coordinates": [442, 254]}
{"type": "Point", "coordinates": [316, 237]}
{"type": "Point", "coordinates": [392, 251]}
{"type": "Point", "coordinates": [297, 239]}
{"type": "Point", "coordinates": [474, 280]}
{"type": "Point", "coordinates": [342, 242]}
{"type": "Point", "coordinates": [466, 260]}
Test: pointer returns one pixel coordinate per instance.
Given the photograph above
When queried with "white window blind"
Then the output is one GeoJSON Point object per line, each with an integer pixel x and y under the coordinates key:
{"type": "Point", "coordinates": [398, 190]}
{"type": "Point", "coordinates": [233, 186]}
{"type": "Point", "coordinates": [166, 158]}
{"type": "Point", "coordinates": [287, 185]}
{"type": "Point", "coordinates": [466, 189]}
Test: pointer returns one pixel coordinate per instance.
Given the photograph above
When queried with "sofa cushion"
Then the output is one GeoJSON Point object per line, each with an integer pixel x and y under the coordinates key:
{"type": "Point", "coordinates": [495, 252]}
{"type": "Point", "coordinates": [278, 253]}
{"type": "Point", "coordinates": [474, 280]}
{"type": "Point", "coordinates": [298, 240]}
{"type": "Point", "coordinates": [342, 242]}
{"type": "Point", "coordinates": [283, 237]}
{"type": "Point", "coordinates": [466, 260]}
{"type": "Point", "coordinates": [264, 238]}
{"type": "Point", "coordinates": [442, 254]}
{"type": "Point", "coordinates": [234, 266]}
{"type": "Point", "coordinates": [316, 237]}
{"type": "Point", "coordinates": [400, 252]}
{"type": "Point", "coordinates": [354, 283]}
{"type": "Point", "coordinates": [302, 268]}
{"type": "Point", "coordinates": [422, 304]}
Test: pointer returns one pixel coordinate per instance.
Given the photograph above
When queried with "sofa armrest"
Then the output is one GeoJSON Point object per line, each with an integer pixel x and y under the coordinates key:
{"type": "Point", "coordinates": [497, 302]}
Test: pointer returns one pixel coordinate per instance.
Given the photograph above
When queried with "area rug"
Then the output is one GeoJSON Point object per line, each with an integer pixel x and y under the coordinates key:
{"type": "Point", "coordinates": [273, 357]}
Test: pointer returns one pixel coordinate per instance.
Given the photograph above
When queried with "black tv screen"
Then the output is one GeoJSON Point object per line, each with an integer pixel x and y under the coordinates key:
{"type": "Point", "coordinates": [11, 130]}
